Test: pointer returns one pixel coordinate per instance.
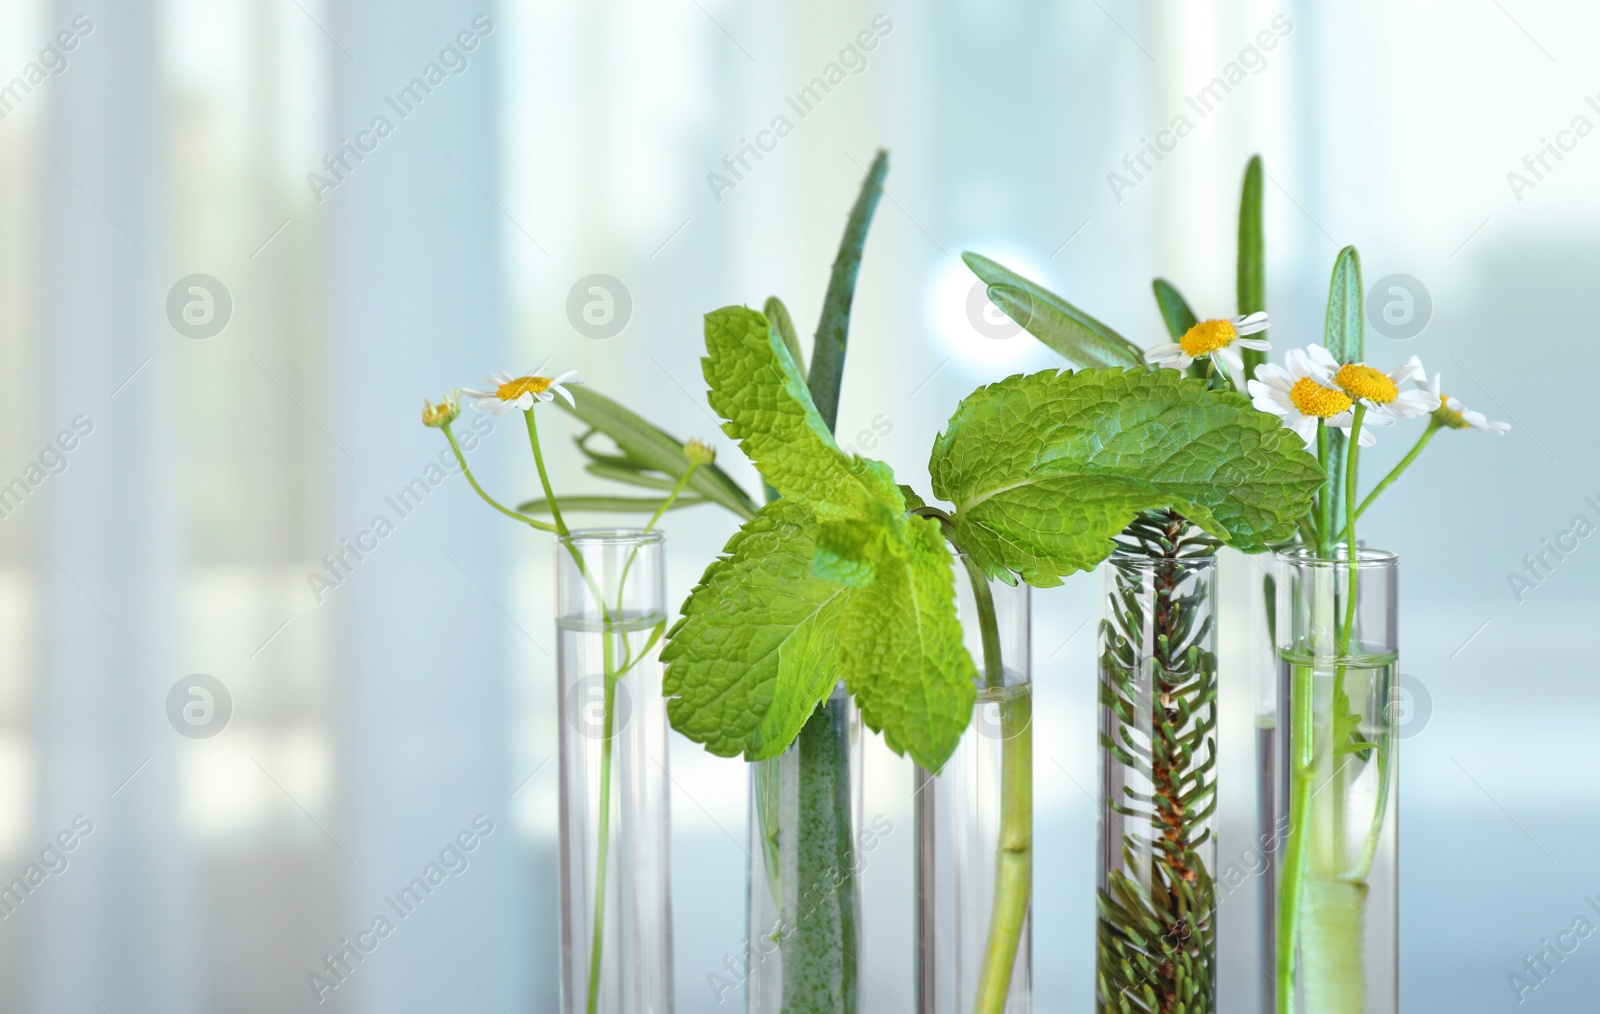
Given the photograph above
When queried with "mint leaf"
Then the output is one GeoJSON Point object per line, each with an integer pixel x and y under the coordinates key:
{"type": "Point", "coordinates": [901, 645]}
{"type": "Point", "coordinates": [1044, 469]}
{"type": "Point", "coordinates": [757, 648]}
{"type": "Point", "coordinates": [756, 386]}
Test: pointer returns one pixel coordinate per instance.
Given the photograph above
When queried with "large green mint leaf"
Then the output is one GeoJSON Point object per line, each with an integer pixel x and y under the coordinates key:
{"type": "Point", "coordinates": [757, 647]}
{"type": "Point", "coordinates": [900, 642]}
{"type": "Point", "coordinates": [1044, 469]}
{"type": "Point", "coordinates": [757, 387]}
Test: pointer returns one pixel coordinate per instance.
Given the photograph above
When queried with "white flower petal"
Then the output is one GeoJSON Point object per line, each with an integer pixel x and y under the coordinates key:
{"type": "Point", "coordinates": [1274, 375]}
{"type": "Point", "coordinates": [565, 395]}
{"type": "Point", "coordinates": [1227, 355]}
{"type": "Point", "coordinates": [1368, 438]}
{"type": "Point", "coordinates": [1306, 428]}
{"type": "Point", "coordinates": [1407, 370]}
{"type": "Point", "coordinates": [1414, 403]}
{"type": "Point", "coordinates": [1319, 356]}
{"type": "Point", "coordinates": [1299, 364]}
{"type": "Point", "coordinates": [564, 378]}
{"type": "Point", "coordinates": [1250, 323]}
{"type": "Point", "coordinates": [1259, 344]}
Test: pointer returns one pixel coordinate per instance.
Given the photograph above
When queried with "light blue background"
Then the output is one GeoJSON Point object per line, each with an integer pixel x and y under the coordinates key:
{"type": "Point", "coordinates": [373, 724]}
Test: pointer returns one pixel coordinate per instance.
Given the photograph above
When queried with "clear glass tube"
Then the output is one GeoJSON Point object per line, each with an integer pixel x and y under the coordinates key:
{"type": "Point", "coordinates": [1263, 620]}
{"type": "Point", "coordinates": [975, 825]}
{"type": "Point", "coordinates": [1156, 925]}
{"type": "Point", "coordinates": [616, 913]}
{"type": "Point", "coordinates": [1334, 790]}
{"type": "Point", "coordinates": [806, 859]}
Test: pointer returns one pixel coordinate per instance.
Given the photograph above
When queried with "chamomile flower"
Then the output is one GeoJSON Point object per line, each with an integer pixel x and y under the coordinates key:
{"type": "Point", "coordinates": [1213, 338]}
{"type": "Point", "coordinates": [1302, 394]}
{"type": "Point", "coordinates": [1457, 416]}
{"type": "Point", "coordinates": [510, 392]}
{"type": "Point", "coordinates": [1380, 391]}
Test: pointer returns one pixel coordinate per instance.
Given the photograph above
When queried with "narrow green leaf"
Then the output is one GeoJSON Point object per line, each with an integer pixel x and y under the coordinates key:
{"type": "Point", "coordinates": [1252, 272]}
{"type": "Point", "coordinates": [757, 648]}
{"type": "Point", "coordinates": [778, 316]}
{"type": "Point", "coordinates": [631, 475]}
{"type": "Point", "coordinates": [1083, 340]}
{"type": "Point", "coordinates": [611, 504]}
{"type": "Point", "coordinates": [757, 387]}
{"type": "Point", "coordinates": [833, 330]}
{"type": "Point", "coordinates": [584, 443]}
{"type": "Point", "coordinates": [656, 449]}
{"type": "Point", "coordinates": [1175, 312]}
{"type": "Point", "coordinates": [1344, 336]}
{"type": "Point", "coordinates": [1045, 469]}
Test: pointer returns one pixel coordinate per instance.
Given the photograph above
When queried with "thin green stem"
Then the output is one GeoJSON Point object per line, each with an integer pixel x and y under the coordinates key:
{"type": "Point", "coordinates": [1301, 771]}
{"type": "Point", "coordinates": [604, 831]}
{"type": "Point", "coordinates": [1013, 888]}
{"type": "Point", "coordinates": [544, 477]}
{"type": "Point", "coordinates": [1379, 811]}
{"type": "Point", "coordinates": [1434, 426]}
{"type": "Point", "coordinates": [1325, 498]}
{"type": "Point", "coordinates": [491, 501]}
{"type": "Point", "coordinates": [622, 583]}
{"type": "Point", "coordinates": [1350, 512]}
{"type": "Point", "coordinates": [666, 504]}
{"type": "Point", "coordinates": [994, 673]}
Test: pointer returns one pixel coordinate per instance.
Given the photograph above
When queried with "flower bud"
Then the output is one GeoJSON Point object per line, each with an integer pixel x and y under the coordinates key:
{"type": "Point", "coordinates": [441, 414]}
{"type": "Point", "coordinates": [699, 453]}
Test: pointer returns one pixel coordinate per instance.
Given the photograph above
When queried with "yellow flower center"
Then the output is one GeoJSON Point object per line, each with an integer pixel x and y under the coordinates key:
{"type": "Point", "coordinates": [1207, 336]}
{"type": "Point", "coordinates": [1311, 398]}
{"type": "Point", "coordinates": [699, 452]}
{"type": "Point", "coordinates": [511, 390]}
{"type": "Point", "coordinates": [1362, 381]}
{"type": "Point", "coordinates": [439, 414]}
{"type": "Point", "coordinates": [1449, 416]}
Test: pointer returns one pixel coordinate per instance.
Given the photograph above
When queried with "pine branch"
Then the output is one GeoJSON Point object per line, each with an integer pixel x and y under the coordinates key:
{"type": "Point", "coordinates": [1157, 935]}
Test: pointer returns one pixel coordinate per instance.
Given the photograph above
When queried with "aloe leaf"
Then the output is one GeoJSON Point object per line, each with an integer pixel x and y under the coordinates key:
{"type": "Point", "coordinates": [1083, 340]}
{"type": "Point", "coordinates": [1345, 338]}
{"type": "Point", "coordinates": [833, 330]}
{"type": "Point", "coordinates": [1344, 334]}
{"type": "Point", "coordinates": [1252, 280]}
